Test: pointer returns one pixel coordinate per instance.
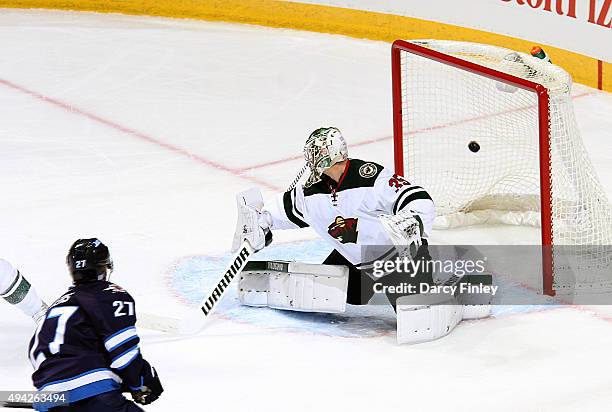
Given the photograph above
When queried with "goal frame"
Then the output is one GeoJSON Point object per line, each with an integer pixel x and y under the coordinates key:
{"type": "Point", "coordinates": [541, 92]}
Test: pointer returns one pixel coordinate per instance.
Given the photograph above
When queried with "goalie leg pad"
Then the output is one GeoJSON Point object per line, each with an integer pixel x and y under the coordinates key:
{"type": "Point", "coordinates": [254, 284]}
{"type": "Point", "coordinates": [294, 286]}
{"type": "Point", "coordinates": [476, 305]}
{"type": "Point", "coordinates": [426, 317]}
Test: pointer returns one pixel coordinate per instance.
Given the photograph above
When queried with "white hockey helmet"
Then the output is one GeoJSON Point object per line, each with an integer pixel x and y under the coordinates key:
{"type": "Point", "coordinates": [324, 148]}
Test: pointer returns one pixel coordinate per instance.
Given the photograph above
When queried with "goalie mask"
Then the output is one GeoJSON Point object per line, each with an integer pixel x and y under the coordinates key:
{"type": "Point", "coordinates": [324, 148]}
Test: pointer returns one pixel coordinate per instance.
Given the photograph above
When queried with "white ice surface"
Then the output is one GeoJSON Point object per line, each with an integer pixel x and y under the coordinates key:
{"type": "Point", "coordinates": [140, 131]}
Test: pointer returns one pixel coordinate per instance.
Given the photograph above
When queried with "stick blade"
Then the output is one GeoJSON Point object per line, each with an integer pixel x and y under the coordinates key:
{"type": "Point", "coordinates": [16, 405]}
{"type": "Point", "coordinates": [191, 324]}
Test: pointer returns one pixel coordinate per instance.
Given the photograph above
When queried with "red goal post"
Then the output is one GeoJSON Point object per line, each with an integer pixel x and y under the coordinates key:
{"type": "Point", "coordinates": [400, 131]}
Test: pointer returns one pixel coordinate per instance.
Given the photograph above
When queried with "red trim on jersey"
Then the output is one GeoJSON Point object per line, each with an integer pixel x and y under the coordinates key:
{"type": "Point", "coordinates": [346, 168]}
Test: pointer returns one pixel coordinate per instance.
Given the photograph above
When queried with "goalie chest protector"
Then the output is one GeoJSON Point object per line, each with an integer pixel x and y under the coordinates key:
{"type": "Point", "coordinates": [346, 213]}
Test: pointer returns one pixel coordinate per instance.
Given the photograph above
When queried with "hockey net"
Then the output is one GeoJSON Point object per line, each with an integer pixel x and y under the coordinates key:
{"type": "Point", "coordinates": [491, 134]}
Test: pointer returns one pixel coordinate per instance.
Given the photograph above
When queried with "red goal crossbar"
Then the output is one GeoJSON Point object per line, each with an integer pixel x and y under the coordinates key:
{"type": "Point", "coordinates": [400, 46]}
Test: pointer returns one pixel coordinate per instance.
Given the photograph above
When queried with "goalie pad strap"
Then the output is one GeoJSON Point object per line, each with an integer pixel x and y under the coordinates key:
{"type": "Point", "coordinates": [294, 286]}
{"type": "Point", "coordinates": [294, 267]}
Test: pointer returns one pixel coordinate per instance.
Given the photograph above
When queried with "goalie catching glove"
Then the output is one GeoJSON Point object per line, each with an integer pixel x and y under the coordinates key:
{"type": "Point", "coordinates": [253, 223]}
{"type": "Point", "coordinates": [405, 230]}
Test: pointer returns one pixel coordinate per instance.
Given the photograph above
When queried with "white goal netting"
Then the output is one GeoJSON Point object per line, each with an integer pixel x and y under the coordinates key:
{"type": "Point", "coordinates": [473, 143]}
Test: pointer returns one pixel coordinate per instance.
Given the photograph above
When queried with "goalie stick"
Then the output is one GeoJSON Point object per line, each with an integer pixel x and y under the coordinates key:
{"type": "Point", "coordinates": [193, 322]}
{"type": "Point", "coordinates": [297, 178]}
{"type": "Point", "coordinates": [236, 265]}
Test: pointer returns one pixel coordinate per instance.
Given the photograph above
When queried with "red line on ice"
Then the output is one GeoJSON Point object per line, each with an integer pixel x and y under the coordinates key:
{"type": "Point", "coordinates": [412, 132]}
{"type": "Point", "coordinates": [292, 158]}
{"type": "Point", "coordinates": [135, 133]}
{"type": "Point", "coordinates": [238, 172]}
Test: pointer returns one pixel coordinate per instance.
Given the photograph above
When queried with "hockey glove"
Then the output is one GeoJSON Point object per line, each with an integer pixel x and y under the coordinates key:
{"type": "Point", "coordinates": [405, 230]}
{"type": "Point", "coordinates": [253, 223]}
{"type": "Point", "coordinates": [151, 388]}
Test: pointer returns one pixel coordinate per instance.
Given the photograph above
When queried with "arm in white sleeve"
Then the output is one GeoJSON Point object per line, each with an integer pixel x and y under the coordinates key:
{"type": "Point", "coordinates": [16, 290]}
{"type": "Point", "coordinates": [397, 196]}
{"type": "Point", "coordinates": [286, 210]}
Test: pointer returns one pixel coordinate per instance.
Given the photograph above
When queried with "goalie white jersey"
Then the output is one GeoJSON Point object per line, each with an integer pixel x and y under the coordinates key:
{"type": "Point", "coordinates": [346, 213]}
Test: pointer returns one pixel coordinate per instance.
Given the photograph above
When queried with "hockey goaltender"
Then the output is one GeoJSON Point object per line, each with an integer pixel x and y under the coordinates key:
{"type": "Point", "coordinates": [352, 204]}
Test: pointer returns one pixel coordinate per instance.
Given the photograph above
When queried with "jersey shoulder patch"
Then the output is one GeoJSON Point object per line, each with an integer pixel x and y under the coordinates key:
{"type": "Point", "coordinates": [368, 170]}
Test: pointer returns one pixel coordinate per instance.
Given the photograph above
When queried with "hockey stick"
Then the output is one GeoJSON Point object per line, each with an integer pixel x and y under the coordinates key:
{"type": "Point", "coordinates": [16, 405]}
{"type": "Point", "coordinates": [194, 322]}
{"type": "Point", "coordinates": [297, 178]}
{"type": "Point", "coordinates": [237, 264]}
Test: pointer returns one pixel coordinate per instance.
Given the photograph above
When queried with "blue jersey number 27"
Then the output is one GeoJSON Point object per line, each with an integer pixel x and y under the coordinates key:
{"type": "Point", "coordinates": [40, 351]}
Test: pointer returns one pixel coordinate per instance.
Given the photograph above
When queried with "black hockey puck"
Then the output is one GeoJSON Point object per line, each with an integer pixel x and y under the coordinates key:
{"type": "Point", "coordinates": [474, 146]}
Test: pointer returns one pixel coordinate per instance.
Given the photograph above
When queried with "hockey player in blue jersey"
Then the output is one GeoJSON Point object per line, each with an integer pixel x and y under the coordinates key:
{"type": "Point", "coordinates": [87, 347]}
